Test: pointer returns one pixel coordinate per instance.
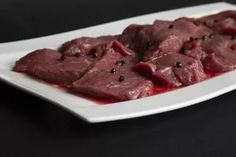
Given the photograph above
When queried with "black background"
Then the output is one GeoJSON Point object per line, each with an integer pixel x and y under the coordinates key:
{"type": "Point", "coordinates": [33, 127]}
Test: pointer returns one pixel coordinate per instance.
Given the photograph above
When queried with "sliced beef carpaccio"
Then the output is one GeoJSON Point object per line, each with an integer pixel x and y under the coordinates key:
{"type": "Point", "coordinates": [173, 70]}
{"type": "Point", "coordinates": [68, 70]}
{"type": "Point", "coordinates": [129, 37]}
{"type": "Point", "coordinates": [224, 22]}
{"type": "Point", "coordinates": [51, 66]}
{"type": "Point", "coordinates": [113, 77]}
{"type": "Point", "coordinates": [162, 37]}
{"type": "Point", "coordinates": [217, 52]}
{"type": "Point", "coordinates": [37, 57]}
{"type": "Point", "coordinates": [124, 67]}
{"type": "Point", "coordinates": [84, 45]}
{"type": "Point", "coordinates": [221, 54]}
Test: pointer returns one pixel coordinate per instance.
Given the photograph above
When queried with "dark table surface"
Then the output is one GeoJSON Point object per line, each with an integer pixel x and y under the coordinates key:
{"type": "Point", "coordinates": [33, 127]}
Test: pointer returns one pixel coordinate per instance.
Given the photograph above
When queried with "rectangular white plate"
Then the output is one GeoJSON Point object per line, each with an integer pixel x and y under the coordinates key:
{"type": "Point", "coordinates": [92, 112]}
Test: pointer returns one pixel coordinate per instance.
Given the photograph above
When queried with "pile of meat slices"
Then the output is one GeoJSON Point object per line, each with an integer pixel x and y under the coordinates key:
{"type": "Point", "coordinates": [128, 66]}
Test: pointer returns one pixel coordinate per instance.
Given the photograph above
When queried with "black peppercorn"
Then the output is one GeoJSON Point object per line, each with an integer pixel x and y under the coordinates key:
{"type": "Point", "coordinates": [205, 23]}
{"type": "Point", "coordinates": [94, 55]}
{"type": "Point", "coordinates": [113, 71]}
{"type": "Point", "coordinates": [121, 78]}
{"type": "Point", "coordinates": [211, 36]}
{"type": "Point", "coordinates": [215, 21]}
{"type": "Point", "coordinates": [77, 54]}
{"type": "Point", "coordinates": [233, 37]}
{"type": "Point", "coordinates": [62, 58]}
{"type": "Point", "coordinates": [191, 39]}
{"type": "Point", "coordinates": [171, 26]}
{"type": "Point", "coordinates": [204, 37]}
{"type": "Point", "coordinates": [120, 63]}
{"type": "Point", "coordinates": [178, 64]}
{"type": "Point", "coordinates": [150, 44]}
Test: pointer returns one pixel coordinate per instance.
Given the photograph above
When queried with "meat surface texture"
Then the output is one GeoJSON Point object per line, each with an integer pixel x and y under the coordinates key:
{"type": "Point", "coordinates": [38, 57]}
{"type": "Point", "coordinates": [175, 70]}
{"type": "Point", "coordinates": [84, 45]}
{"type": "Point", "coordinates": [217, 53]}
{"type": "Point", "coordinates": [130, 65]}
{"type": "Point", "coordinates": [113, 77]}
{"type": "Point", "coordinates": [161, 38]}
{"type": "Point", "coordinates": [63, 72]}
{"type": "Point", "coordinates": [224, 22]}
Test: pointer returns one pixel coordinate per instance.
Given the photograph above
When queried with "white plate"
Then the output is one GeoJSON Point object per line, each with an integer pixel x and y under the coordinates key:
{"type": "Point", "coordinates": [92, 112]}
